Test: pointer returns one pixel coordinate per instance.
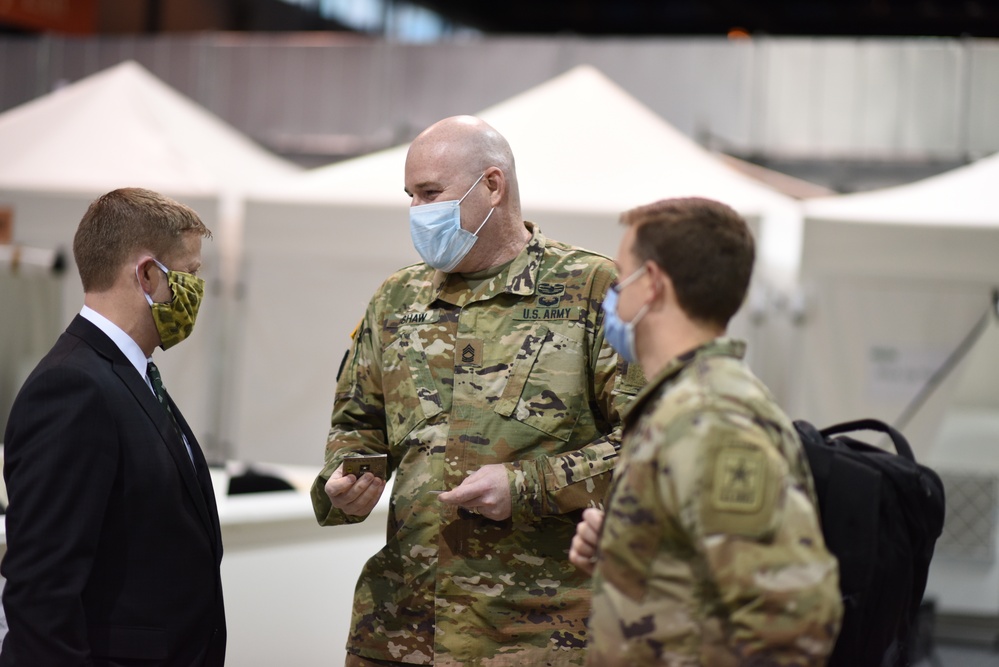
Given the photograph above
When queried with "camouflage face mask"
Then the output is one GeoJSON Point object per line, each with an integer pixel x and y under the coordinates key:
{"type": "Point", "coordinates": [175, 318]}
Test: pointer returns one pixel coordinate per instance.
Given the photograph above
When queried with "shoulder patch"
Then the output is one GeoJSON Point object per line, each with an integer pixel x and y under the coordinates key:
{"type": "Point", "coordinates": [742, 491]}
{"type": "Point", "coordinates": [739, 476]}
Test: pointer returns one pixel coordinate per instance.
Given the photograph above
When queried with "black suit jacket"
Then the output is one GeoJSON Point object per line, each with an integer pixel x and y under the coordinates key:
{"type": "Point", "coordinates": [113, 538]}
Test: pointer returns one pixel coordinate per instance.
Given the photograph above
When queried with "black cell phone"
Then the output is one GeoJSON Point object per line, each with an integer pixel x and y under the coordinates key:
{"type": "Point", "coordinates": [358, 464]}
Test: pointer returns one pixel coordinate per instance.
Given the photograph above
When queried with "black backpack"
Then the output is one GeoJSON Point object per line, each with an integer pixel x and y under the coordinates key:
{"type": "Point", "coordinates": [881, 515]}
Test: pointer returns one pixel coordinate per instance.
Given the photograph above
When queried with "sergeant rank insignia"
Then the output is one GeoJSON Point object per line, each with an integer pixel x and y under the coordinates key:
{"type": "Point", "coordinates": [468, 352]}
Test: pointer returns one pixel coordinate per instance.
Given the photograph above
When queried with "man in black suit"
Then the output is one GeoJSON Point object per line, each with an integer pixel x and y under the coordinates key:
{"type": "Point", "coordinates": [113, 540]}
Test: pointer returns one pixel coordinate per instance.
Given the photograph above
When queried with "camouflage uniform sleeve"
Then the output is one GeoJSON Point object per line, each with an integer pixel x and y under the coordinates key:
{"type": "Point", "coordinates": [358, 420]}
{"type": "Point", "coordinates": [580, 478]}
{"type": "Point", "coordinates": [759, 538]}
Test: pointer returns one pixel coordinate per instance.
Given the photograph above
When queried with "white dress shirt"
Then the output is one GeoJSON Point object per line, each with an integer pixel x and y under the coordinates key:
{"type": "Point", "coordinates": [129, 348]}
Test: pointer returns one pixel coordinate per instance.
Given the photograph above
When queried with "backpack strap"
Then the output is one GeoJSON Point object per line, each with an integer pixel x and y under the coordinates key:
{"type": "Point", "coordinates": [897, 439]}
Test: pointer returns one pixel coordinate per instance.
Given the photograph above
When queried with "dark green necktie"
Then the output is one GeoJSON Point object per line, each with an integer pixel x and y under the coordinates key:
{"type": "Point", "coordinates": [161, 396]}
{"type": "Point", "coordinates": [157, 382]}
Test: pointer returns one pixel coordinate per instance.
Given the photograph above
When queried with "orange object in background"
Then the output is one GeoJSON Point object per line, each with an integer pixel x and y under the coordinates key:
{"type": "Point", "coordinates": [6, 223]}
{"type": "Point", "coordinates": [66, 16]}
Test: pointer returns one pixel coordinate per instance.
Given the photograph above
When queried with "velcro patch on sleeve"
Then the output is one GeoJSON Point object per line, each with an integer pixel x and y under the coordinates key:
{"type": "Point", "coordinates": [742, 491]}
{"type": "Point", "coordinates": [739, 476]}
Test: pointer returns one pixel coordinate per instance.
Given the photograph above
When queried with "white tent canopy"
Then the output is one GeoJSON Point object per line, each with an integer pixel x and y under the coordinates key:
{"type": "Point", "coordinates": [964, 196]}
{"type": "Point", "coordinates": [578, 124]}
{"type": "Point", "coordinates": [125, 124]}
{"type": "Point", "coordinates": [585, 150]}
{"type": "Point", "coordinates": [118, 128]}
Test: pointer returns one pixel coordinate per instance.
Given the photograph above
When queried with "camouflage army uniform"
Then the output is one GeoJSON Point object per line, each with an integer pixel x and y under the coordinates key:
{"type": "Point", "coordinates": [711, 552]}
{"type": "Point", "coordinates": [447, 374]}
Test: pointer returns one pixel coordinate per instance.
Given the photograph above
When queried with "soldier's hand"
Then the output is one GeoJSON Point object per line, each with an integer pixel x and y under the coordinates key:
{"type": "Point", "coordinates": [354, 496]}
{"type": "Point", "coordinates": [583, 552]}
{"type": "Point", "coordinates": [486, 491]}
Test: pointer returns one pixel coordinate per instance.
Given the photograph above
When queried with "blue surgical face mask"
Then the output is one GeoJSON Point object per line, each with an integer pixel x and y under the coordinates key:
{"type": "Point", "coordinates": [437, 233]}
{"type": "Point", "coordinates": [621, 334]}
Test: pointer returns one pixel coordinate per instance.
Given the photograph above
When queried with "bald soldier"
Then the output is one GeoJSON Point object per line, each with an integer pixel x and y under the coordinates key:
{"type": "Point", "coordinates": [482, 373]}
{"type": "Point", "coordinates": [711, 552]}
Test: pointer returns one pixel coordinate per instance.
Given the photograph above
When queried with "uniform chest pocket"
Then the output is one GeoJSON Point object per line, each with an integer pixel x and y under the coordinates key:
{"type": "Point", "coordinates": [547, 385]}
{"type": "Point", "coordinates": [411, 395]}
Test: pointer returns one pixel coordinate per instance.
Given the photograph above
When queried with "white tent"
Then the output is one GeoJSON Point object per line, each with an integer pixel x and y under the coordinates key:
{"type": "Point", "coordinates": [123, 127]}
{"type": "Point", "coordinates": [585, 151]}
{"type": "Point", "coordinates": [894, 281]}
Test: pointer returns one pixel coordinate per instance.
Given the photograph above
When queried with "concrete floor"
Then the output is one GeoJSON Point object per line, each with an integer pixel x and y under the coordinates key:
{"type": "Point", "coordinates": [962, 655]}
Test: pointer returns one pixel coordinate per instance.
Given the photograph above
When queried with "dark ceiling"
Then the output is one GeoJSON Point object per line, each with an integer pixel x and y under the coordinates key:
{"type": "Point", "coordinates": [974, 18]}
{"type": "Point", "coordinates": [950, 18]}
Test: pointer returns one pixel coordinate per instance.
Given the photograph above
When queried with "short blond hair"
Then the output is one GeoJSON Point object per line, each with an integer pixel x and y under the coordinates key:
{"type": "Point", "coordinates": [126, 221]}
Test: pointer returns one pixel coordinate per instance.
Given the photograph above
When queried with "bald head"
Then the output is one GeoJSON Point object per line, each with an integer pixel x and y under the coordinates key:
{"type": "Point", "coordinates": [469, 146]}
{"type": "Point", "coordinates": [463, 159]}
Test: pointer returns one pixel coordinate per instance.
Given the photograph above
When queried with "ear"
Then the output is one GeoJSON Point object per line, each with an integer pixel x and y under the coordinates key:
{"type": "Point", "coordinates": [495, 181]}
{"type": "Point", "coordinates": [148, 274]}
{"type": "Point", "coordinates": [662, 284]}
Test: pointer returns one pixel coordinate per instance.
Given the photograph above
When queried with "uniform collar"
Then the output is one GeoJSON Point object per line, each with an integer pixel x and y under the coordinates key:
{"type": "Point", "coordinates": [519, 278]}
{"type": "Point", "coordinates": [719, 347]}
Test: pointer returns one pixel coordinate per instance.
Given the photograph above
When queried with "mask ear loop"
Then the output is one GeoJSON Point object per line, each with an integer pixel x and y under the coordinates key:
{"type": "Point", "coordinates": [476, 232]}
{"type": "Point", "coordinates": [472, 188]}
{"type": "Point", "coordinates": [484, 221]}
{"type": "Point", "coordinates": [636, 274]}
{"type": "Point", "coordinates": [162, 268]}
{"type": "Point", "coordinates": [648, 304]}
{"type": "Point", "coordinates": [640, 314]}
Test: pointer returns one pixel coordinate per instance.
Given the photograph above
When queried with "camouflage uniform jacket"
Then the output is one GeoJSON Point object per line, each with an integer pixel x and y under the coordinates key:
{"type": "Point", "coordinates": [711, 552]}
{"type": "Point", "coordinates": [447, 374]}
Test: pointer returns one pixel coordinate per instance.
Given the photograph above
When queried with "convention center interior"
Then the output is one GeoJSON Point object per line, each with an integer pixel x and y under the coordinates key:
{"type": "Point", "coordinates": [857, 138]}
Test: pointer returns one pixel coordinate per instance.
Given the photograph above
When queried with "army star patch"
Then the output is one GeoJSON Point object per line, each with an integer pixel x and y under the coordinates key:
{"type": "Point", "coordinates": [738, 479]}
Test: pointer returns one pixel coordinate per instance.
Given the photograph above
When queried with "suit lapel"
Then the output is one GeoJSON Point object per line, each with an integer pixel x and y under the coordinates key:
{"type": "Point", "coordinates": [169, 435]}
{"type": "Point", "coordinates": [202, 476]}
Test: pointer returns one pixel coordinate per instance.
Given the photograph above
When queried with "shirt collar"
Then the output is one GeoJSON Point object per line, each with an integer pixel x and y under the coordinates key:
{"type": "Point", "coordinates": [718, 347]}
{"type": "Point", "coordinates": [522, 276]}
{"type": "Point", "coordinates": [128, 347]}
{"type": "Point", "coordinates": [519, 278]}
